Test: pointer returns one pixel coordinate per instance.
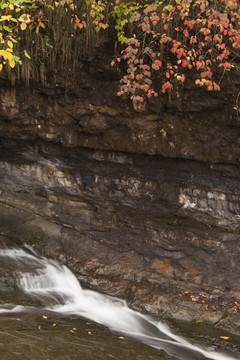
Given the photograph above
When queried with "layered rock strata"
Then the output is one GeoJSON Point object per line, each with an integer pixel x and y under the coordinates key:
{"type": "Point", "coordinates": [139, 205]}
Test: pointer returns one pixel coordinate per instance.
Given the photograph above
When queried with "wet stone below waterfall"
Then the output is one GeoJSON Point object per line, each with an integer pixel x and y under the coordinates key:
{"type": "Point", "coordinates": [43, 335]}
{"type": "Point", "coordinates": [61, 338]}
{"type": "Point", "coordinates": [28, 328]}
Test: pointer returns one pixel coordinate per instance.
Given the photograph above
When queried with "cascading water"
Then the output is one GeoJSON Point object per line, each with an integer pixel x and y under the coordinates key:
{"type": "Point", "coordinates": [59, 290]}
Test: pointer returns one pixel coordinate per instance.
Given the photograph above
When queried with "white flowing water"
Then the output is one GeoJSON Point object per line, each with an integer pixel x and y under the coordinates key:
{"type": "Point", "coordinates": [59, 290]}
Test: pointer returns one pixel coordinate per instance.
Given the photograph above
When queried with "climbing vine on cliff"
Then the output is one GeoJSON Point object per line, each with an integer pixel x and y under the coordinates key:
{"type": "Point", "coordinates": [13, 20]}
{"type": "Point", "coordinates": [41, 34]}
{"type": "Point", "coordinates": [171, 40]}
{"type": "Point", "coordinates": [156, 42]}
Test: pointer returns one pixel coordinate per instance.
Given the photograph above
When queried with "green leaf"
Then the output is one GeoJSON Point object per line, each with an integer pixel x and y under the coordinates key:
{"type": "Point", "coordinates": [27, 55]}
{"type": "Point", "coordinates": [12, 39]}
{"type": "Point", "coordinates": [7, 28]}
{"type": "Point", "coordinates": [168, 8]}
{"type": "Point", "coordinates": [23, 26]}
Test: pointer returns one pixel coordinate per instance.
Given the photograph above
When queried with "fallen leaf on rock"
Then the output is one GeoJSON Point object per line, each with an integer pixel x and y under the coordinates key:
{"type": "Point", "coordinates": [225, 337]}
{"type": "Point", "coordinates": [122, 338]}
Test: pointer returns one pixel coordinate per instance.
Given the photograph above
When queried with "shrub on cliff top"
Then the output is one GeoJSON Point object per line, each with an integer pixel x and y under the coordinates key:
{"type": "Point", "coordinates": [12, 21]}
{"type": "Point", "coordinates": [163, 40]}
{"type": "Point", "coordinates": [174, 38]}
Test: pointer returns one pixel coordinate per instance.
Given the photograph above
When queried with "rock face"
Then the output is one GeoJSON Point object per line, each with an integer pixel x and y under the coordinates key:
{"type": "Point", "coordinates": [192, 124]}
{"type": "Point", "coordinates": [140, 205]}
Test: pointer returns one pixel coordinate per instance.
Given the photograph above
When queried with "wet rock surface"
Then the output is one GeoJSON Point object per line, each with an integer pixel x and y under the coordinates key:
{"type": "Point", "coordinates": [196, 124]}
{"type": "Point", "coordinates": [31, 336]}
{"type": "Point", "coordinates": [132, 226]}
{"type": "Point", "coordinates": [144, 206]}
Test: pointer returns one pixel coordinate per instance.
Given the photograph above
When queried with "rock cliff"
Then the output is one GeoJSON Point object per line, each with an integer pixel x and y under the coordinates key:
{"type": "Point", "coordinates": [143, 205]}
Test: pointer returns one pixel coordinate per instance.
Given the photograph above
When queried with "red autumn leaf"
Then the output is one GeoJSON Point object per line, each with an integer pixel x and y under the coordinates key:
{"type": "Point", "coordinates": [182, 78]}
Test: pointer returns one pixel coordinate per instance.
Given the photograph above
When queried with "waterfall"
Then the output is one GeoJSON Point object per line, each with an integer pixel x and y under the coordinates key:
{"type": "Point", "coordinates": [58, 290]}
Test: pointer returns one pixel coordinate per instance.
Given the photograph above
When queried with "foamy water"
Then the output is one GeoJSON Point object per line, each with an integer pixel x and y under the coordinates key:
{"type": "Point", "coordinates": [59, 290]}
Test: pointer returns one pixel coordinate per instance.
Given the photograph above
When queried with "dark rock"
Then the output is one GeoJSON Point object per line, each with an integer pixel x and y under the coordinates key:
{"type": "Point", "coordinates": [140, 205]}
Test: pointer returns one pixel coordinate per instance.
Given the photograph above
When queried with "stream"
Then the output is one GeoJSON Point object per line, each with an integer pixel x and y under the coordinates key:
{"type": "Point", "coordinates": [50, 316]}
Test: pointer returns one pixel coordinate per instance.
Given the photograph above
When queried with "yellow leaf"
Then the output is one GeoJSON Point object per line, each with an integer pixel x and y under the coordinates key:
{"type": "Point", "coordinates": [122, 338]}
{"type": "Point", "coordinates": [225, 337]}
{"type": "Point", "coordinates": [11, 7]}
{"type": "Point", "coordinates": [10, 44]}
{"type": "Point", "coordinates": [23, 26]}
{"type": "Point", "coordinates": [1, 67]}
{"type": "Point", "coordinates": [44, 317]}
{"type": "Point", "coordinates": [39, 327]}
{"type": "Point", "coordinates": [12, 63]}
{"type": "Point", "coordinates": [54, 324]}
